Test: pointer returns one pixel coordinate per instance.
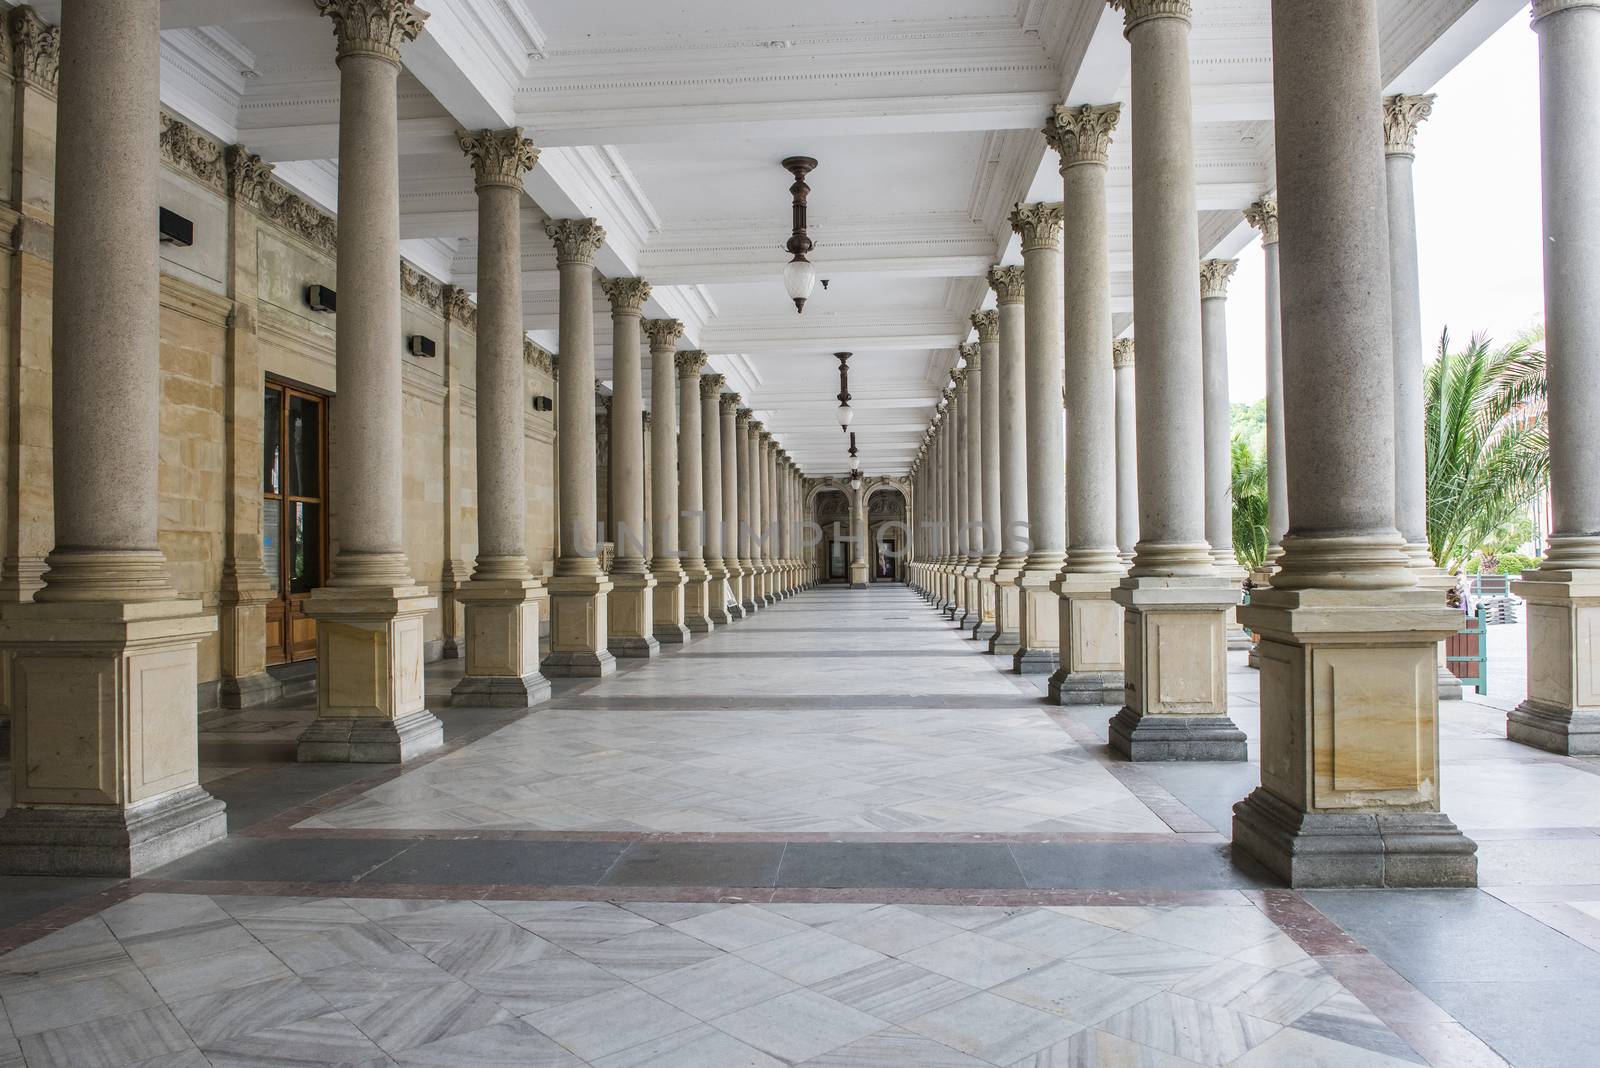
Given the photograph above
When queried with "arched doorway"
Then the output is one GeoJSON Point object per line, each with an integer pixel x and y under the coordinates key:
{"type": "Point", "coordinates": [831, 512]}
{"type": "Point", "coordinates": [889, 534]}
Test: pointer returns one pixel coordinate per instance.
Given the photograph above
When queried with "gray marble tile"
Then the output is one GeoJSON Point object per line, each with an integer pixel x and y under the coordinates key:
{"type": "Point", "coordinates": [798, 1025]}
{"type": "Point", "coordinates": [535, 985]}
{"type": "Point", "coordinates": [603, 1024]}
{"type": "Point", "coordinates": [645, 953]}
{"type": "Point", "coordinates": [1075, 992]}
{"type": "Point", "coordinates": [977, 961]}
{"type": "Point", "coordinates": [210, 1018]}
{"type": "Point", "coordinates": [1305, 1050]}
{"type": "Point", "coordinates": [326, 1039]}
{"type": "Point", "coordinates": [508, 1044]}
{"type": "Point", "coordinates": [738, 927]}
{"type": "Point", "coordinates": [1047, 932]}
{"type": "Point", "coordinates": [44, 1006]}
{"type": "Point", "coordinates": [1143, 960]}
{"type": "Point", "coordinates": [417, 1016]}
{"type": "Point", "coordinates": [807, 957]}
{"type": "Point", "coordinates": [1188, 1028]}
{"type": "Point", "coordinates": [108, 1042]}
{"type": "Point", "coordinates": [1094, 1048]}
{"type": "Point", "coordinates": [890, 929]}
{"type": "Point", "coordinates": [993, 1028]}
{"type": "Point", "coordinates": [895, 1048]}
{"type": "Point", "coordinates": [695, 1047]}
{"type": "Point", "coordinates": [893, 990]}
{"type": "Point", "coordinates": [717, 987]}
{"type": "Point", "coordinates": [179, 979]}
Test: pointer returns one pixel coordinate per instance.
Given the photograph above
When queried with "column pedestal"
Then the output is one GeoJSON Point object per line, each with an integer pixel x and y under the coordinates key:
{"type": "Point", "coordinates": [631, 608]}
{"type": "Point", "coordinates": [502, 644]}
{"type": "Point", "coordinates": [668, 625]}
{"type": "Point", "coordinates": [1007, 611]}
{"type": "Point", "coordinates": [104, 738]}
{"type": "Point", "coordinates": [984, 629]}
{"type": "Point", "coordinates": [1562, 712]}
{"type": "Point", "coordinates": [578, 619]}
{"type": "Point", "coordinates": [1091, 646]}
{"type": "Point", "coordinates": [1349, 790]}
{"type": "Point", "coordinates": [735, 591]}
{"type": "Point", "coordinates": [1038, 625]}
{"type": "Point", "coordinates": [858, 575]}
{"type": "Point", "coordinates": [720, 611]}
{"type": "Point", "coordinates": [371, 706]}
{"type": "Point", "coordinates": [697, 600]}
{"type": "Point", "coordinates": [748, 602]}
{"type": "Point", "coordinates": [1176, 686]}
{"type": "Point", "coordinates": [971, 609]}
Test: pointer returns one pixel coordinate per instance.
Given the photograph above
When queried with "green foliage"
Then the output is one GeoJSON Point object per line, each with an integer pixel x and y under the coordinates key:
{"type": "Point", "coordinates": [1488, 451]}
{"type": "Point", "coordinates": [1249, 504]}
{"type": "Point", "coordinates": [1517, 563]}
{"type": "Point", "coordinates": [1249, 422]}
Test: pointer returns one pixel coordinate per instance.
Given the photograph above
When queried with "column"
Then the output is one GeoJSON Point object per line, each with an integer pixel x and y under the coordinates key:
{"type": "Point", "coordinates": [1010, 289]}
{"type": "Point", "coordinates": [502, 598]}
{"type": "Point", "coordinates": [691, 496]}
{"type": "Point", "coordinates": [1214, 278]}
{"type": "Point", "coordinates": [954, 498]}
{"type": "Point", "coordinates": [1175, 604]}
{"type": "Point", "coordinates": [669, 624]}
{"type": "Point", "coordinates": [734, 548]}
{"type": "Point", "coordinates": [973, 433]}
{"type": "Point", "coordinates": [1089, 623]}
{"type": "Point", "coordinates": [1349, 792]}
{"type": "Point", "coordinates": [785, 527]}
{"type": "Point", "coordinates": [1263, 215]}
{"type": "Point", "coordinates": [1038, 617]}
{"type": "Point", "coordinates": [987, 324]}
{"type": "Point", "coordinates": [106, 773]}
{"type": "Point", "coordinates": [767, 532]}
{"type": "Point", "coordinates": [748, 562]}
{"type": "Point", "coordinates": [1562, 712]}
{"type": "Point", "coordinates": [964, 567]}
{"type": "Point", "coordinates": [579, 590]}
{"type": "Point", "coordinates": [1127, 450]}
{"type": "Point", "coordinates": [371, 615]}
{"type": "Point", "coordinates": [631, 609]}
{"type": "Point", "coordinates": [711, 471]}
{"type": "Point", "coordinates": [858, 536]}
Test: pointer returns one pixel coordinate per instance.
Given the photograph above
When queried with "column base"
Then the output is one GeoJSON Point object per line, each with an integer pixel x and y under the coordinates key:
{"type": "Point", "coordinates": [1562, 712]}
{"type": "Point", "coordinates": [630, 607]}
{"type": "Point", "coordinates": [718, 608]}
{"type": "Point", "coordinates": [107, 840]}
{"type": "Point", "coordinates": [1449, 686]}
{"type": "Point", "coordinates": [1571, 732]}
{"type": "Point", "coordinates": [1176, 738]}
{"type": "Point", "coordinates": [370, 740]}
{"type": "Point", "coordinates": [250, 691]}
{"type": "Point", "coordinates": [1007, 605]}
{"type": "Point", "coordinates": [697, 600]}
{"type": "Point", "coordinates": [668, 625]}
{"type": "Point", "coordinates": [579, 625]}
{"type": "Point", "coordinates": [1089, 628]}
{"type": "Point", "coordinates": [501, 691]}
{"type": "Point", "coordinates": [634, 647]}
{"type": "Point", "coordinates": [502, 627]}
{"type": "Point", "coordinates": [1364, 849]}
{"type": "Point", "coordinates": [1237, 640]}
{"type": "Point", "coordinates": [587, 664]}
{"type": "Point", "coordinates": [983, 631]}
{"type": "Point", "coordinates": [1038, 625]}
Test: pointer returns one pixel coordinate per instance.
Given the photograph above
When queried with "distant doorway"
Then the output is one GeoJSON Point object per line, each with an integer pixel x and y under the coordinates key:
{"type": "Point", "coordinates": [294, 515]}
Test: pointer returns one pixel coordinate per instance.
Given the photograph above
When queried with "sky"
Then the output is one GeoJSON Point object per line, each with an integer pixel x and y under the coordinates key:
{"type": "Point", "coordinates": [1478, 214]}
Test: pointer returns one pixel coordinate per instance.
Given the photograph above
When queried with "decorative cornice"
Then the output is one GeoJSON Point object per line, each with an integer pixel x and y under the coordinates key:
{"type": "Point", "coordinates": [1214, 275]}
{"type": "Point", "coordinates": [458, 307]}
{"type": "Point", "coordinates": [731, 402]}
{"type": "Point", "coordinates": [690, 362]}
{"type": "Point", "coordinates": [987, 324]}
{"type": "Point", "coordinates": [576, 240]}
{"type": "Point", "coordinates": [663, 333]}
{"type": "Point", "coordinates": [1402, 116]}
{"type": "Point", "coordinates": [1122, 352]}
{"type": "Point", "coordinates": [1543, 9]}
{"type": "Point", "coordinates": [627, 295]}
{"type": "Point", "coordinates": [1008, 283]}
{"type": "Point", "coordinates": [537, 358]}
{"type": "Point", "coordinates": [188, 150]}
{"type": "Point", "coordinates": [35, 48]}
{"type": "Point", "coordinates": [421, 288]}
{"type": "Point", "coordinates": [1039, 225]}
{"type": "Point", "coordinates": [1083, 134]}
{"type": "Point", "coordinates": [251, 182]}
{"type": "Point", "coordinates": [1135, 12]}
{"type": "Point", "coordinates": [373, 27]}
{"type": "Point", "coordinates": [499, 157]}
{"type": "Point", "coordinates": [711, 386]}
{"type": "Point", "coordinates": [1263, 215]}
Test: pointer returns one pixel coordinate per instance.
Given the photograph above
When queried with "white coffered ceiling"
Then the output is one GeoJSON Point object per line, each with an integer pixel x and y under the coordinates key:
{"type": "Point", "coordinates": [667, 121]}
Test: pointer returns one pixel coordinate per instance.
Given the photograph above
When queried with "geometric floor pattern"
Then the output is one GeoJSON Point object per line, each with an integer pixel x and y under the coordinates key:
{"type": "Point", "coordinates": [184, 981]}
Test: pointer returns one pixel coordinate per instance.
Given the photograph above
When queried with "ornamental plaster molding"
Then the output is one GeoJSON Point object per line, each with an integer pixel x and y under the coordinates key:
{"type": "Point", "coordinates": [1122, 352]}
{"type": "Point", "coordinates": [499, 157]}
{"type": "Point", "coordinates": [576, 240]}
{"type": "Point", "coordinates": [626, 294]}
{"type": "Point", "coordinates": [1402, 116]}
{"type": "Point", "coordinates": [731, 402]}
{"type": "Point", "coordinates": [537, 358]}
{"type": "Point", "coordinates": [1082, 135]}
{"type": "Point", "coordinates": [1263, 215]}
{"type": "Point", "coordinates": [987, 324]}
{"type": "Point", "coordinates": [421, 288]}
{"type": "Point", "coordinates": [690, 362]}
{"type": "Point", "coordinates": [373, 27]}
{"type": "Point", "coordinates": [1543, 9]}
{"type": "Point", "coordinates": [35, 48]}
{"type": "Point", "coordinates": [458, 307]}
{"type": "Point", "coordinates": [1214, 276]}
{"type": "Point", "coordinates": [250, 181]}
{"type": "Point", "coordinates": [663, 333]}
{"type": "Point", "coordinates": [187, 150]}
{"type": "Point", "coordinates": [1008, 283]}
{"type": "Point", "coordinates": [972, 352]}
{"type": "Point", "coordinates": [711, 387]}
{"type": "Point", "coordinates": [1136, 12]}
{"type": "Point", "coordinates": [1039, 225]}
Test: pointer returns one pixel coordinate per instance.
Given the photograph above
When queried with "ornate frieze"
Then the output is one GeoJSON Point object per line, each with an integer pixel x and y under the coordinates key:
{"type": "Point", "coordinates": [499, 157]}
{"type": "Point", "coordinates": [973, 354]}
{"type": "Point", "coordinates": [576, 240]}
{"type": "Point", "coordinates": [1135, 12]}
{"type": "Point", "coordinates": [690, 362]}
{"type": "Point", "coordinates": [185, 149]}
{"type": "Point", "coordinates": [1402, 115]}
{"type": "Point", "coordinates": [35, 48]}
{"type": "Point", "coordinates": [419, 287]}
{"type": "Point", "coordinates": [663, 333]}
{"type": "Point", "coordinates": [711, 387]}
{"type": "Point", "coordinates": [1122, 352]}
{"type": "Point", "coordinates": [250, 181]}
{"type": "Point", "coordinates": [458, 307]}
{"type": "Point", "coordinates": [626, 294]}
{"type": "Point", "coordinates": [537, 358]}
{"type": "Point", "coordinates": [248, 174]}
{"type": "Point", "coordinates": [1008, 284]}
{"type": "Point", "coordinates": [987, 324]}
{"type": "Point", "coordinates": [1039, 225]}
{"type": "Point", "coordinates": [1082, 134]}
{"type": "Point", "coordinates": [373, 27]}
{"type": "Point", "coordinates": [1263, 215]}
{"type": "Point", "coordinates": [1214, 276]}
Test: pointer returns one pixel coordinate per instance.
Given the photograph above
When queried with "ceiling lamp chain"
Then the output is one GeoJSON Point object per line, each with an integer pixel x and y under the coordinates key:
{"type": "Point", "coordinates": [799, 276]}
{"type": "Point", "coordinates": [846, 413]}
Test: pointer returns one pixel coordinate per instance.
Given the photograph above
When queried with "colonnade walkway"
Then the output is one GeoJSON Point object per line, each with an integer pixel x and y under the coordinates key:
{"type": "Point", "coordinates": [834, 833]}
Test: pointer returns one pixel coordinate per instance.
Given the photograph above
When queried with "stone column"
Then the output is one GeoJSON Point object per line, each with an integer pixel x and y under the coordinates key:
{"type": "Point", "coordinates": [964, 567]}
{"type": "Point", "coordinates": [1214, 278]}
{"type": "Point", "coordinates": [987, 324]}
{"type": "Point", "coordinates": [711, 471]}
{"type": "Point", "coordinates": [691, 496]}
{"type": "Point", "coordinates": [747, 515]}
{"type": "Point", "coordinates": [1562, 712]}
{"type": "Point", "coordinates": [502, 598]}
{"type": "Point", "coordinates": [1038, 620]}
{"type": "Point", "coordinates": [734, 549]}
{"type": "Point", "coordinates": [631, 608]}
{"type": "Point", "coordinates": [858, 535]}
{"type": "Point", "coordinates": [1349, 792]}
{"type": "Point", "coordinates": [103, 673]}
{"type": "Point", "coordinates": [1010, 289]}
{"type": "Point", "coordinates": [371, 615]}
{"type": "Point", "coordinates": [579, 590]}
{"type": "Point", "coordinates": [972, 432]}
{"type": "Point", "coordinates": [1263, 215]}
{"type": "Point", "coordinates": [785, 527]}
{"type": "Point", "coordinates": [1089, 624]}
{"type": "Point", "coordinates": [767, 530]}
{"type": "Point", "coordinates": [953, 455]}
{"type": "Point", "coordinates": [1127, 450]}
{"type": "Point", "coordinates": [1176, 605]}
{"type": "Point", "coordinates": [666, 564]}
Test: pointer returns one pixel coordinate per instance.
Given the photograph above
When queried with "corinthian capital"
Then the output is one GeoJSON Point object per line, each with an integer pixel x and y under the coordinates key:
{"type": "Point", "coordinates": [711, 386]}
{"type": "Point", "coordinates": [987, 324]}
{"type": "Point", "coordinates": [690, 362]}
{"type": "Point", "coordinates": [973, 354]}
{"type": "Point", "coordinates": [958, 375]}
{"type": "Point", "coordinates": [1039, 225]}
{"type": "Point", "coordinates": [576, 240]}
{"type": "Point", "coordinates": [1135, 12]}
{"type": "Point", "coordinates": [1122, 352]}
{"type": "Point", "coordinates": [1008, 284]}
{"type": "Point", "coordinates": [663, 333]}
{"type": "Point", "coordinates": [1214, 275]}
{"type": "Point", "coordinates": [38, 48]}
{"type": "Point", "coordinates": [1082, 134]}
{"type": "Point", "coordinates": [741, 417]}
{"type": "Point", "coordinates": [731, 402]}
{"type": "Point", "coordinates": [1402, 115]}
{"type": "Point", "coordinates": [626, 294]}
{"type": "Point", "coordinates": [499, 157]}
{"type": "Point", "coordinates": [1263, 215]}
{"type": "Point", "coordinates": [373, 27]}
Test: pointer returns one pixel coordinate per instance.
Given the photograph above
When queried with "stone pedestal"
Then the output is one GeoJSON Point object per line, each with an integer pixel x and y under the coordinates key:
{"type": "Point", "coordinates": [631, 613]}
{"type": "Point", "coordinates": [1007, 610]}
{"type": "Point", "coordinates": [984, 629]}
{"type": "Point", "coordinates": [858, 575]}
{"type": "Point", "coordinates": [1091, 644]}
{"type": "Point", "coordinates": [1349, 791]}
{"type": "Point", "coordinates": [1176, 690]}
{"type": "Point", "coordinates": [1562, 712]}
{"type": "Point", "coordinates": [1038, 625]}
{"type": "Point", "coordinates": [371, 706]}
{"type": "Point", "coordinates": [579, 606]}
{"type": "Point", "coordinates": [502, 644]}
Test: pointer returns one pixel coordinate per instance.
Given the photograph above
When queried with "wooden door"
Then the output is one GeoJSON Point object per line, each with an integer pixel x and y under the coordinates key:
{"type": "Point", "coordinates": [294, 515]}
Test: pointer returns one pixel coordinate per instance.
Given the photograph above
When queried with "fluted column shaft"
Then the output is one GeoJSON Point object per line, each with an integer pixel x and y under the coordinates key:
{"type": "Point", "coordinates": [1127, 451]}
{"type": "Point", "coordinates": [1214, 276]}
